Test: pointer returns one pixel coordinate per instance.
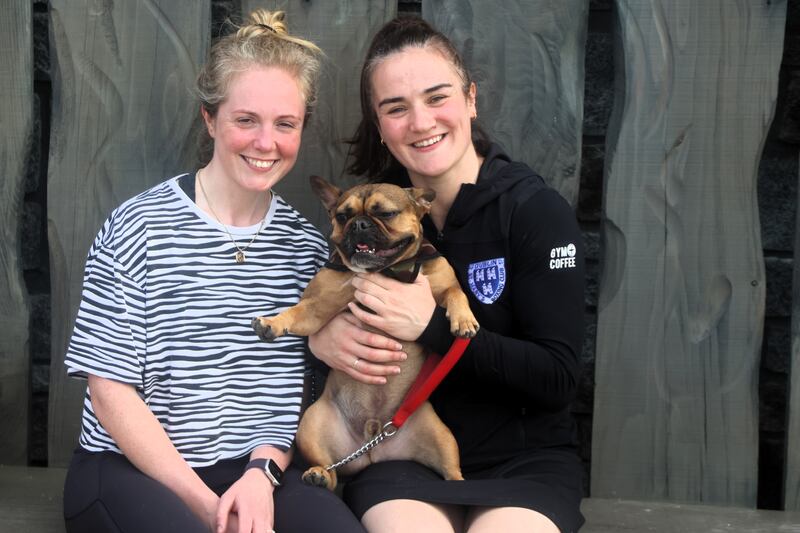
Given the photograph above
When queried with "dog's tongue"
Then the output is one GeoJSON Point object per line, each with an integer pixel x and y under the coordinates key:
{"type": "Point", "coordinates": [387, 253]}
{"type": "Point", "coordinates": [361, 247]}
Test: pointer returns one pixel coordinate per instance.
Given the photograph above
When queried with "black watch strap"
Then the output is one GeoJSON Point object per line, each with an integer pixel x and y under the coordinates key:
{"type": "Point", "coordinates": [270, 469]}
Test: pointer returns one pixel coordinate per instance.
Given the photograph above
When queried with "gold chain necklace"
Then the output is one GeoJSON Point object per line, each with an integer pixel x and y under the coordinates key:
{"type": "Point", "coordinates": [239, 255]}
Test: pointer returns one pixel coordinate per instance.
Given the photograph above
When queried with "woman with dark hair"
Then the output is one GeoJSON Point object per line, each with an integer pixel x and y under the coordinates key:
{"type": "Point", "coordinates": [189, 418]}
{"type": "Point", "coordinates": [516, 248]}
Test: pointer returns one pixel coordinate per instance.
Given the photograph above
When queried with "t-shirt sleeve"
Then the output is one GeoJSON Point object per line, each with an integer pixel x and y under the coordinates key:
{"type": "Point", "coordinates": [107, 339]}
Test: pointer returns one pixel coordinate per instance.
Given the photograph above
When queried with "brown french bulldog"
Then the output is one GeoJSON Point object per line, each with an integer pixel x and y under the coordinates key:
{"type": "Point", "coordinates": [376, 227]}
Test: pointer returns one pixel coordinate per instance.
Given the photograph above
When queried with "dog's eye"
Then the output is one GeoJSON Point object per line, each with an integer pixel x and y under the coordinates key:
{"type": "Point", "coordinates": [386, 215]}
{"type": "Point", "coordinates": [341, 218]}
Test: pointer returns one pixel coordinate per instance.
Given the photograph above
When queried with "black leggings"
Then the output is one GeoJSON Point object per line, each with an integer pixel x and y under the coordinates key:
{"type": "Point", "coordinates": [104, 492]}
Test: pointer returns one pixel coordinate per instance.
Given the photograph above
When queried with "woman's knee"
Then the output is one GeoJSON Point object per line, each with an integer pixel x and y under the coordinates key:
{"type": "Point", "coordinates": [508, 520]}
{"type": "Point", "coordinates": [412, 515]}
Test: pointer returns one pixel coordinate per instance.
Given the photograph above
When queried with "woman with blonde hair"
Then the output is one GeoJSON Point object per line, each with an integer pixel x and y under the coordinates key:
{"type": "Point", "coordinates": [189, 418]}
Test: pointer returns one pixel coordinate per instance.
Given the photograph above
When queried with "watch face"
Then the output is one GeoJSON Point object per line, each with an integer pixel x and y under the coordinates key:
{"type": "Point", "coordinates": [274, 470]}
{"type": "Point", "coordinates": [270, 469]}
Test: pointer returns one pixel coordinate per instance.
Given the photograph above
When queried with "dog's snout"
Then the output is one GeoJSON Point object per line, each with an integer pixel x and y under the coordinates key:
{"type": "Point", "coordinates": [362, 224]}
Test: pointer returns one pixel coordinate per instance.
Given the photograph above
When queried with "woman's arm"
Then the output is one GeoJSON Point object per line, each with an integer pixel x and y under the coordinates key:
{"type": "Point", "coordinates": [344, 340]}
{"type": "Point", "coordinates": [540, 361]}
{"type": "Point", "coordinates": [139, 435]}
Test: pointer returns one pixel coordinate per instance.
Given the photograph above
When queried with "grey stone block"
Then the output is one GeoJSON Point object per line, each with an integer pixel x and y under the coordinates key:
{"type": "Point", "coordinates": [592, 284]}
{"type": "Point", "coordinates": [31, 241]}
{"type": "Point", "coordinates": [791, 51]}
{"type": "Point", "coordinates": [37, 445]}
{"type": "Point", "coordinates": [772, 402]}
{"type": "Point", "coordinates": [33, 160]}
{"type": "Point", "coordinates": [40, 378]}
{"type": "Point", "coordinates": [777, 350]}
{"type": "Point", "coordinates": [41, 46]}
{"type": "Point", "coordinates": [221, 12]}
{"type": "Point", "coordinates": [584, 399]}
{"type": "Point", "coordinates": [598, 96]}
{"type": "Point", "coordinates": [789, 119]}
{"type": "Point", "coordinates": [779, 286]}
{"type": "Point", "coordinates": [584, 423]}
{"type": "Point", "coordinates": [591, 244]}
{"type": "Point", "coordinates": [39, 333]}
{"type": "Point", "coordinates": [777, 201]}
{"type": "Point", "coordinates": [590, 195]}
{"type": "Point", "coordinates": [771, 455]}
{"type": "Point", "coordinates": [600, 5]}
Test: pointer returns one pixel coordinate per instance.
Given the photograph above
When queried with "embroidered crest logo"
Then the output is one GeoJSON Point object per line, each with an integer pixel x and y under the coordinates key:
{"type": "Point", "coordinates": [487, 279]}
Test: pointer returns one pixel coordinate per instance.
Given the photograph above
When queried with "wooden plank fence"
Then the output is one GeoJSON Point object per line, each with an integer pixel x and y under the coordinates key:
{"type": "Point", "coordinates": [681, 306]}
{"type": "Point", "coordinates": [16, 114]}
{"type": "Point", "coordinates": [123, 120]}
{"type": "Point", "coordinates": [343, 30]}
{"type": "Point", "coordinates": [792, 489]}
{"type": "Point", "coordinates": [528, 65]}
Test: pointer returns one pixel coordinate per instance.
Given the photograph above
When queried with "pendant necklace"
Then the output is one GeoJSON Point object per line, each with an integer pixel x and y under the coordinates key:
{"type": "Point", "coordinates": [239, 256]}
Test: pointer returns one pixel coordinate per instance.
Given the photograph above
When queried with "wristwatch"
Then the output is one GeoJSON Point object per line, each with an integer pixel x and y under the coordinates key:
{"type": "Point", "coordinates": [270, 469]}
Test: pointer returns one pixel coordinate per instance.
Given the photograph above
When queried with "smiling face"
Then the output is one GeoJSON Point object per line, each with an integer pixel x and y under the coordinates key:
{"type": "Point", "coordinates": [423, 115]}
{"type": "Point", "coordinates": [257, 129]}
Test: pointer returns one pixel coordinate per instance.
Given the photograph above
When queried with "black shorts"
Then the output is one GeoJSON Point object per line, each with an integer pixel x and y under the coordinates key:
{"type": "Point", "coordinates": [549, 481]}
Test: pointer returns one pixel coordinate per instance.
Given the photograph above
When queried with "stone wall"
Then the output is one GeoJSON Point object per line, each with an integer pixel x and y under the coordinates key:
{"type": "Point", "coordinates": [778, 177]}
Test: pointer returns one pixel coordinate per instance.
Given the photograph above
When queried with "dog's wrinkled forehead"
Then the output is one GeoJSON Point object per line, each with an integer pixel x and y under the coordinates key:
{"type": "Point", "coordinates": [371, 200]}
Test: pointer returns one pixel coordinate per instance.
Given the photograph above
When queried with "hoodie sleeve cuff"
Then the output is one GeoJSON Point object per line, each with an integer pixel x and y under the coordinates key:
{"type": "Point", "coordinates": [437, 336]}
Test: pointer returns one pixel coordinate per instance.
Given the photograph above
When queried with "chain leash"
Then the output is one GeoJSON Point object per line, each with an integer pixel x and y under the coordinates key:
{"type": "Point", "coordinates": [389, 429]}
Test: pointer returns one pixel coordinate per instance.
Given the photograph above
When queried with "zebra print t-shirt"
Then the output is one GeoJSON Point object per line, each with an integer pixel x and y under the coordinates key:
{"type": "Point", "coordinates": [166, 308]}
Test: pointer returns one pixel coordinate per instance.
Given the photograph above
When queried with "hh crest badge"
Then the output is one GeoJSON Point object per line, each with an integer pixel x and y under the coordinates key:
{"type": "Point", "coordinates": [487, 279]}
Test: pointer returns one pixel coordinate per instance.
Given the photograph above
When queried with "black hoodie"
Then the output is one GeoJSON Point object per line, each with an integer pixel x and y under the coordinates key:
{"type": "Point", "coordinates": [517, 251]}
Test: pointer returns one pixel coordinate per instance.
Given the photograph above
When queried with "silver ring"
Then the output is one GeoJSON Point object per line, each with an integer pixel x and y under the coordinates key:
{"type": "Point", "coordinates": [355, 363]}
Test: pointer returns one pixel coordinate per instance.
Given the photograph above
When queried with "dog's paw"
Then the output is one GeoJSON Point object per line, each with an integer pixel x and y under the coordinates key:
{"type": "Point", "coordinates": [264, 329]}
{"type": "Point", "coordinates": [318, 477]}
{"type": "Point", "coordinates": [464, 326]}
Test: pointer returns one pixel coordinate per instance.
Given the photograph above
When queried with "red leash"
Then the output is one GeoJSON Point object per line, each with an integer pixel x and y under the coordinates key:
{"type": "Point", "coordinates": [432, 373]}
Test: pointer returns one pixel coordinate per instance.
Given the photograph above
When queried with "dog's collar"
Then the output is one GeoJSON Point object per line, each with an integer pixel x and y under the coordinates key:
{"type": "Point", "coordinates": [405, 271]}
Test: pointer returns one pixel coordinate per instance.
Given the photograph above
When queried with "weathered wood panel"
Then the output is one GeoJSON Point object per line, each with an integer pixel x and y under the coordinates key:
{"type": "Point", "coordinates": [526, 57]}
{"type": "Point", "coordinates": [123, 120]}
{"type": "Point", "coordinates": [343, 30]}
{"type": "Point", "coordinates": [681, 303]}
{"type": "Point", "coordinates": [792, 489]}
{"type": "Point", "coordinates": [16, 123]}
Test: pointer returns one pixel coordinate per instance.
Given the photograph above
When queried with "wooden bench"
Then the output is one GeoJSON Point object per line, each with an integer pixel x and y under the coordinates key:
{"type": "Point", "coordinates": [30, 502]}
{"type": "Point", "coordinates": [30, 499]}
{"type": "Point", "coordinates": [606, 516]}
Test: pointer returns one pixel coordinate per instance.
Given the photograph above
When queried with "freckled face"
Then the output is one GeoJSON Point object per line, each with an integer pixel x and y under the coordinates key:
{"type": "Point", "coordinates": [257, 129]}
{"type": "Point", "coordinates": [424, 117]}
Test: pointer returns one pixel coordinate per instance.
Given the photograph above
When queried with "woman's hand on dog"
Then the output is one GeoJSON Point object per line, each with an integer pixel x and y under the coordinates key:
{"type": "Point", "coordinates": [345, 344]}
{"type": "Point", "coordinates": [402, 310]}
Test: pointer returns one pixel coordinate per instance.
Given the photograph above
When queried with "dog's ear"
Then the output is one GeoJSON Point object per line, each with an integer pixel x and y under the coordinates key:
{"type": "Point", "coordinates": [327, 192]}
{"type": "Point", "coordinates": [422, 198]}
